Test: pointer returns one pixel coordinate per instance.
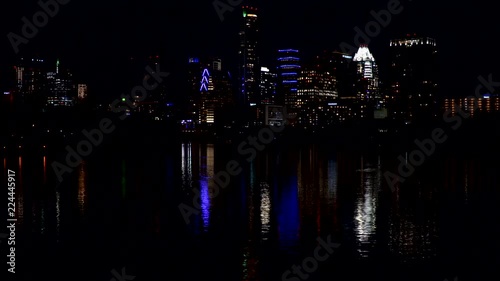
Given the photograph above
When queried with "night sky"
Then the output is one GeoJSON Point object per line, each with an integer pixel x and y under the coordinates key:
{"type": "Point", "coordinates": [95, 38]}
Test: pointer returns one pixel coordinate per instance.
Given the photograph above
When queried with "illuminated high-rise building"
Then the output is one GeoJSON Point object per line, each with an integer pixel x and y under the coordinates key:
{"type": "Point", "coordinates": [31, 80]}
{"type": "Point", "coordinates": [82, 91]}
{"type": "Point", "coordinates": [366, 82]}
{"type": "Point", "coordinates": [288, 78]}
{"type": "Point", "coordinates": [485, 104]}
{"type": "Point", "coordinates": [330, 77]}
{"type": "Point", "coordinates": [249, 69]}
{"type": "Point", "coordinates": [60, 91]}
{"type": "Point", "coordinates": [267, 86]}
{"type": "Point", "coordinates": [215, 92]}
{"type": "Point", "coordinates": [194, 73]}
{"type": "Point", "coordinates": [413, 77]}
{"type": "Point", "coordinates": [317, 87]}
{"type": "Point", "coordinates": [267, 96]}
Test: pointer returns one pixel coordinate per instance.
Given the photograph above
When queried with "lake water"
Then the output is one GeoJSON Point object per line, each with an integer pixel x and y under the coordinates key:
{"type": "Point", "coordinates": [120, 209]}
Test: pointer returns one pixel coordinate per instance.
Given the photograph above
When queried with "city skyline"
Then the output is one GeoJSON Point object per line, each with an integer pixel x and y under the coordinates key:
{"type": "Point", "coordinates": [222, 36]}
{"type": "Point", "coordinates": [406, 86]}
{"type": "Point", "coordinates": [250, 140]}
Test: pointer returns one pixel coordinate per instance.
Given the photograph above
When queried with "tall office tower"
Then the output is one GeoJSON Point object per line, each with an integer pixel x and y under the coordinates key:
{"type": "Point", "coordinates": [288, 75]}
{"type": "Point", "coordinates": [248, 55]}
{"type": "Point", "coordinates": [60, 91]}
{"type": "Point", "coordinates": [340, 66]}
{"type": "Point", "coordinates": [317, 88]}
{"type": "Point", "coordinates": [366, 83]}
{"type": "Point", "coordinates": [31, 81]}
{"type": "Point", "coordinates": [413, 77]}
{"type": "Point", "coordinates": [157, 105]}
{"type": "Point", "coordinates": [194, 73]}
{"type": "Point", "coordinates": [82, 92]}
{"type": "Point", "coordinates": [215, 93]}
{"type": "Point", "coordinates": [267, 96]}
{"type": "Point", "coordinates": [267, 86]}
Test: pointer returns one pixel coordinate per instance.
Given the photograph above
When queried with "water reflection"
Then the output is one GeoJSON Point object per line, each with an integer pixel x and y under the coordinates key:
{"type": "Point", "coordinates": [124, 179]}
{"type": "Point", "coordinates": [365, 217]}
{"type": "Point", "coordinates": [44, 170]}
{"type": "Point", "coordinates": [411, 238]}
{"type": "Point", "coordinates": [82, 187]}
{"type": "Point", "coordinates": [187, 164]}
{"type": "Point", "coordinates": [249, 264]}
{"type": "Point", "coordinates": [276, 208]}
{"type": "Point", "coordinates": [58, 215]}
{"type": "Point", "coordinates": [265, 210]}
{"type": "Point", "coordinates": [288, 214]}
{"type": "Point", "coordinates": [206, 174]}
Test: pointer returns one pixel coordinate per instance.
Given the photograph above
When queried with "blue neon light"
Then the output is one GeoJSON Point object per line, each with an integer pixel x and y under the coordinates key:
{"type": "Point", "coordinates": [289, 58]}
{"type": "Point", "coordinates": [289, 73]}
{"type": "Point", "coordinates": [204, 80]}
{"type": "Point", "coordinates": [290, 66]}
{"type": "Point", "coordinates": [290, 81]}
{"type": "Point", "coordinates": [288, 50]}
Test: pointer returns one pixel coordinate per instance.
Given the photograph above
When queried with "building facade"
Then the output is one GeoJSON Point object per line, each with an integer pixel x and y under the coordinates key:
{"type": "Point", "coordinates": [414, 77]}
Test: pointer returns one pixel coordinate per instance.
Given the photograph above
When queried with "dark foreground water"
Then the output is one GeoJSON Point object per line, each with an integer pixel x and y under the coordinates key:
{"type": "Point", "coordinates": [120, 209]}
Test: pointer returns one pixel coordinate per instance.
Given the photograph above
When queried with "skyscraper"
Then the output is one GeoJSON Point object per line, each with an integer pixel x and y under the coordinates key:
{"type": "Point", "coordinates": [31, 78]}
{"type": "Point", "coordinates": [61, 91]}
{"type": "Point", "coordinates": [215, 93]}
{"type": "Point", "coordinates": [316, 89]}
{"type": "Point", "coordinates": [82, 92]}
{"type": "Point", "coordinates": [288, 75]}
{"type": "Point", "coordinates": [194, 73]}
{"type": "Point", "coordinates": [367, 82]}
{"type": "Point", "coordinates": [340, 66]}
{"type": "Point", "coordinates": [267, 86]}
{"type": "Point", "coordinates": [413, 77]}
{"type": "Point", "coordinates": [248, 55]}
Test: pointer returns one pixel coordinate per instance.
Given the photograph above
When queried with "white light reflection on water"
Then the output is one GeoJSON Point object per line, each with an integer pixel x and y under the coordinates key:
{"type": "Point", "coordinates": [265, 210]}
{"type": "Point", "coordinates": [365, 217]}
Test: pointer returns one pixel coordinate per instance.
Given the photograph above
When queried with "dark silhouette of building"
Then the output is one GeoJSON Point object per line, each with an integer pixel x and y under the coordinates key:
{"type": "Point", "coordinates": [413, 78]}
{"type": "Point", "coordinates": [248, 55]}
